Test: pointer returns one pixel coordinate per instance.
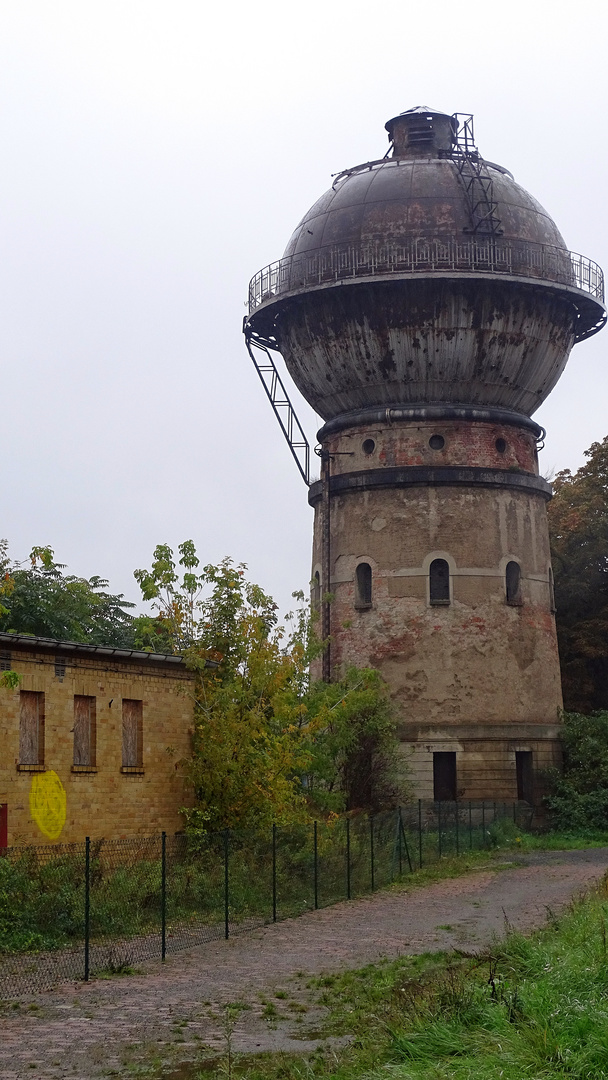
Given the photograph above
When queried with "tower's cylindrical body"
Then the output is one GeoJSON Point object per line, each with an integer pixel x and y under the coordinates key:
{"type": "Point", "coordinates": [425, 306]}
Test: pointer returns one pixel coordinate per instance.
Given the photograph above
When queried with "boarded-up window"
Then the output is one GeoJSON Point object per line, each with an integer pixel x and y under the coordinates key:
{"type": "Point", "coordinates": [84, 730]}
{"type": "Point", "coordinates": [132, 733]}
{"type": "Point", "coordinates": [31, 728]}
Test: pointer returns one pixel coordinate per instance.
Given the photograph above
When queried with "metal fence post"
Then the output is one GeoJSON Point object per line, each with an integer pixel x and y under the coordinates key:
{"type": "Point", "coordinates": [87, 905]}
{"type": "Point", "coordinates": [457, 829]}
{"type": "Point", "coordinates": [439, 825]}
{"type": "Point", "coordinates": [348, 858]}
{"type": "Point", "coordinates": [420, 834]}
{"type": "Point", "coordinates": [274, 873]}
{"type": "Point", "coordinates": [371, 848]}
{"type": "Point", "coordinates": [163, 896]}
{"type": "Point", "coordinates": [405, 843]}
{"type": "Point", "coordinates": [470, 827]}
{"type": "Point", "coordinates": [316, 867]}
{"type": "Point", "coordinates": [400, 830]}
{"type": "Point", "coordinates": [226, 884]}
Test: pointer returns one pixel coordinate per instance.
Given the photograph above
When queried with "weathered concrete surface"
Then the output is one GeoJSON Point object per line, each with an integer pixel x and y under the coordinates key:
{"type": "Point", "coordinates": [169, 1014]}
{"type": "Point", "coordinates": [497, 343]}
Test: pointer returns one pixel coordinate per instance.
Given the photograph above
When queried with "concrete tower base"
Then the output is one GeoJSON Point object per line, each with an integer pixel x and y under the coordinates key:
{"type": "Point", "coordinates": [438, 561]}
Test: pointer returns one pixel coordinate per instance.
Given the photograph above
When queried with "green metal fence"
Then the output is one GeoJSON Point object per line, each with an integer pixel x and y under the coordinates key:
{"type": "Point", "coordinates": [71, 911]}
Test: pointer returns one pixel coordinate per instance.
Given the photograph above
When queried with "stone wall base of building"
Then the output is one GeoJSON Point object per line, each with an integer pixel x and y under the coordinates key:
{"type": "Point", "coordinates": [494, 763]}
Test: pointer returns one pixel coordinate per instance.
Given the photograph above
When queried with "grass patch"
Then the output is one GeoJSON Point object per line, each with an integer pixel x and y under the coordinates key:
{"type": "Point", "coordinates": [534, 1007]}
{"type": "Point", "coordinates": [563, 841]}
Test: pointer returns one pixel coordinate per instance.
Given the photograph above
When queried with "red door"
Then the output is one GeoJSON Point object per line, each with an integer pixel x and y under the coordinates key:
{"type": "Point", "coordinates": [3, 826]}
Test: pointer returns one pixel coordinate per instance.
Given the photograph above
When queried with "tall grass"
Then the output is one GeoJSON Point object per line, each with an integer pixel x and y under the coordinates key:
{"type": "Point", "coordinates": [533, 1008]}
{"type": "Point", "coordinates": [537, 1007]}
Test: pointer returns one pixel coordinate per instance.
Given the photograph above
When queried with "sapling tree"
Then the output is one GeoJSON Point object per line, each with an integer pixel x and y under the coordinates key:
{"type": "Point", "coordinates": [267, 745]}
{"type": "Point", "coordinates": [175, 596]}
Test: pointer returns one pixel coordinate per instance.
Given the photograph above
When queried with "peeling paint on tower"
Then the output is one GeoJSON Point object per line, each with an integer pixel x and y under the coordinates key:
{"type": "Point", "coordinates": [425, 307]}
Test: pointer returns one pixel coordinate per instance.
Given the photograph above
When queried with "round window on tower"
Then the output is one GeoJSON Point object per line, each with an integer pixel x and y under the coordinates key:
{"type": "Point", "coordinates": [369, 446]}
{"type": "Point", "coordinates": [500, 445]}
{"type": "Point", "coordinates": [436, 442]}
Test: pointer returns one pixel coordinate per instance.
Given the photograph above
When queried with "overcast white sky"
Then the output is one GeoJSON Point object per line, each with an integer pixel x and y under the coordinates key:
{"type": "Point", "coordinates": [153, 155]}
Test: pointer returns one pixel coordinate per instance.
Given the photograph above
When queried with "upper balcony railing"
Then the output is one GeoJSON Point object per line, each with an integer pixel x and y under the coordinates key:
{"type": "Point", "coordinates": [478, 255]}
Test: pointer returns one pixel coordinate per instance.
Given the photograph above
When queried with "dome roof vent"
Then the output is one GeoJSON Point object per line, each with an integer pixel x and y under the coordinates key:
{"type": "Point", "coordinates": [421, 131]}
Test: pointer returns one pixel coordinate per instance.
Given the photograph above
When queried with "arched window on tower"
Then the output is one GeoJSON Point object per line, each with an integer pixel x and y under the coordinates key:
{"type": "Point", "coordinates": [552, 608]}
{"type": "Point", "coordinates": [316, 591]}
{"type": "Point", "coordinates": [513, 583]}
{"type": "Point", "coordinates": [363, 585]}
{"type": "Point", "coordinates": [439, 582]}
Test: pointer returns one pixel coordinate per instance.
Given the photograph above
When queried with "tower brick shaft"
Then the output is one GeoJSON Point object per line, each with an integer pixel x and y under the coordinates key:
{"type": "Point", "coordinates": [425, 306]}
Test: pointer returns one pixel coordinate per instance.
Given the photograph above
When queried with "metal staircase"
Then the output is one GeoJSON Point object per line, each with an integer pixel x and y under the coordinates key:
{"type": "Point", "coordinates": [278, 397]}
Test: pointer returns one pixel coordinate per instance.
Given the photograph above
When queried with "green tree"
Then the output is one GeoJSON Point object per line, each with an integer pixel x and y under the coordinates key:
{"type": "Point", "coordinates": [38, 598]}
{"type": "Point", "coordinates": [176, 600]}
{"type": "Point", "coordinates": [267, 745]}
{"type": "Point", "coordinates": [354, 759]}
{"type": "Point", "coordinates": [252, 732]}
{"type": "Point", "coordinates": [579, 794]}
{"type": "Point", "coordinates": [578, 524]}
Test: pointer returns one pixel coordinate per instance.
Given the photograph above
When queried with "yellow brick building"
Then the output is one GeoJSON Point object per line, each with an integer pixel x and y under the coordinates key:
{"type": "Point", "coordinates": [91, 742]}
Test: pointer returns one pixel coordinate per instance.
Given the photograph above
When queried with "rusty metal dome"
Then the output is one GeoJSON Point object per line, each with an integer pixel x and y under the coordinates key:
{"type": "Point", "coordinates": [405, 198]}
{"type": "Point", "coordinates": [429, 276]}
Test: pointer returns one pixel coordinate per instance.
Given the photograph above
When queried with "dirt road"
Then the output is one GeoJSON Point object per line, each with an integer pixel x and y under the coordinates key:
{"type": "Point", "coordinates": [170, 1012]}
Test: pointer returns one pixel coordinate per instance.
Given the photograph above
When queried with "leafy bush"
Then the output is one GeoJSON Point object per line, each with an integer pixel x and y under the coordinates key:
{"type": "Point", "coordinates": [41, 906]}
{"type": "Point", "coordinates": [579, 796]}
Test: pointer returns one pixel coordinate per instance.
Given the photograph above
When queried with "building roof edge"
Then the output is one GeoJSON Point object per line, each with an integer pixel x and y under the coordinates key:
{"type": "Point", "coordinates": [76, 647]}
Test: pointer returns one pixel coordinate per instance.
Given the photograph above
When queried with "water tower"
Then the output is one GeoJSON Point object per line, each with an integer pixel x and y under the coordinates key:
{"type": "Point", "coordinates": [426, 306]}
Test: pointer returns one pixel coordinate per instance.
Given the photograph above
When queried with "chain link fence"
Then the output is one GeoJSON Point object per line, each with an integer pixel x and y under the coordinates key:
{"type": "Point", "coordinates": [69, 911]}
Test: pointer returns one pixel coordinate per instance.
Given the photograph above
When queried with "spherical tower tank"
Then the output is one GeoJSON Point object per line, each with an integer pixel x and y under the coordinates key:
{"type": "Point", "coordinates": [425, 306]}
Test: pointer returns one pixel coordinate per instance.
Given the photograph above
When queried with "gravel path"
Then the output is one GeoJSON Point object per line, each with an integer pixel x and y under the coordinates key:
{"type": "Point", "coordinates": [171, 1012]}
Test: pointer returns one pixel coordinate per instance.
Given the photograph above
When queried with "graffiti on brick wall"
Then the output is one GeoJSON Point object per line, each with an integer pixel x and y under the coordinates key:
{"type": "Point", "coordinates": [48, 803]}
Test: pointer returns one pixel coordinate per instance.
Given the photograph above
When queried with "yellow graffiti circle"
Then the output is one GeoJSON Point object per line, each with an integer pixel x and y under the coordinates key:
{"type": "Point", "coordinates": [48, 803]}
